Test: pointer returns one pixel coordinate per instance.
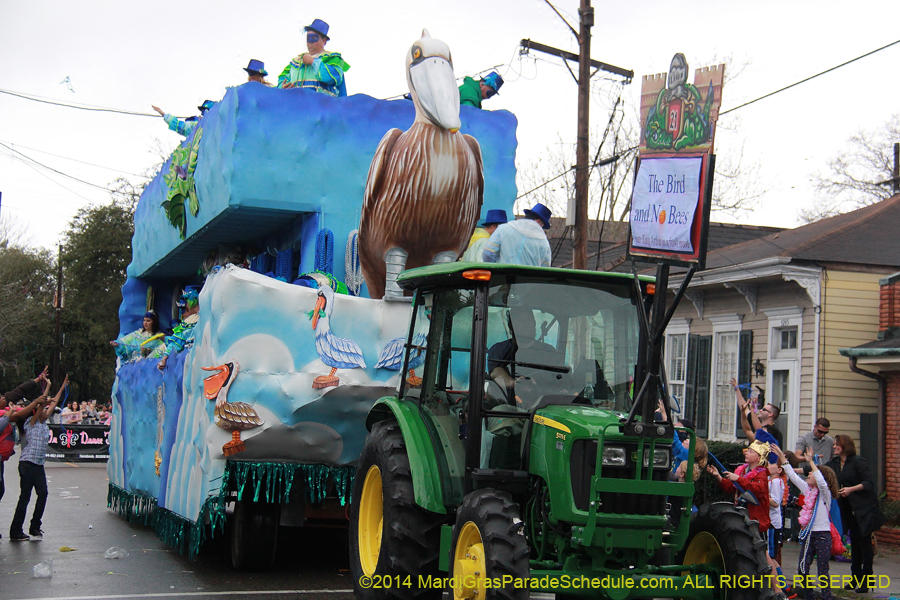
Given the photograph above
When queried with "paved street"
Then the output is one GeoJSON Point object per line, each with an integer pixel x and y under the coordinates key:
{"type": "Point", "coordinates": [887, 564]}
{"type": "Point", "coordinates": [311, 564]}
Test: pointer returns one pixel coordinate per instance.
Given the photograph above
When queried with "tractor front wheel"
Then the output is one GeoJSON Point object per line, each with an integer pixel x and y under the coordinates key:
{"type": "Point", "coordinates": [488, 543]}
{"type": "Point", "coordinates": [724, 536]}
{"type": "Point", "coordinates": [393, 541]}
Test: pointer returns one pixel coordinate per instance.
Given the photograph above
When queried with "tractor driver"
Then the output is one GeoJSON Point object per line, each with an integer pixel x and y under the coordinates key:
{"type": "Point", "coordinates": [522, 347]}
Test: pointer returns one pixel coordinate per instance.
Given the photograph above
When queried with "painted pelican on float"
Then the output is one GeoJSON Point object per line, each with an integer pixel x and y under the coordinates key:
{"type": "Point", "coordinates": [391, 357]}
{"type": "Point", "coordinates": [335, 352]}
{"type": "Point", "coordinates": [230, 416]}
{"type": "Point", "coordinates": [425, 184]}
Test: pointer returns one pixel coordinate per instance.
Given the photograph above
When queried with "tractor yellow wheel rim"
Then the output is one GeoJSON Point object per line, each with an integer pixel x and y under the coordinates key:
{"type": "Point", "coordinates": [704, 549]}
{"type": "Point", "coordinates": [468, 564]}
{"type": "Point", "coordinates": [371, 521]}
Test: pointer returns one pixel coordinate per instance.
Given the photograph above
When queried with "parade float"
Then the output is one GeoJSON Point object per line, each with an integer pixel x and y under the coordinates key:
{"type": "Point", "coordinates": [295, 212]}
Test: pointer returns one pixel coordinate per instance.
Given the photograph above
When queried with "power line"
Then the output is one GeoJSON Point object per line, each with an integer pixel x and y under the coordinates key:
{"type": "Point", "coordinates": [543, 184]}
{"type": "Point", "coordinates": [100, 187]}
{"type": "Point", "coordinates": [809, 78]}
{"type": "Point", "coordinates": [75, 160]}
{"type": "Point", "coordinates": [44, 175]}
{"type": "Point", "coordinates": [79, 107]}
{"type": "Point", "coordinates": [744, 104]}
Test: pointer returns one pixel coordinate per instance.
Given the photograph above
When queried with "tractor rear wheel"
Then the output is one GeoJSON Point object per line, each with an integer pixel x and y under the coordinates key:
{"type": "Point", "coordinates": [724, 535]}
{"type": "Point", "coordinates": [393, 541]}
{"type": "Point", "coordinates": [488, 543]}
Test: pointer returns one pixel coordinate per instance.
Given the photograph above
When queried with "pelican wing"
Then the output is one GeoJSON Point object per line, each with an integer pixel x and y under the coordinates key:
{"type": "Point", "coordinates": [479, 167]}
{"type": "Point", "coordinates": [417, 357]}
{"type": "Point", "coordinates": [237, 415]}
{"type": "Point", "coordinates": [392, 355]}
{"type": "Point", "coordinates": [378, 169]}
{"type": "Point", "coordinates": [340, 353]}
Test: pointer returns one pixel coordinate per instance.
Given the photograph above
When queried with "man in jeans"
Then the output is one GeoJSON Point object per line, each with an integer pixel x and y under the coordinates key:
{"type": "Point", "coordinates": [31, 470]}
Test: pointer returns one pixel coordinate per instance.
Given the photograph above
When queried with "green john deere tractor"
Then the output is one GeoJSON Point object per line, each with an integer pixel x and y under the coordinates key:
{"type": "Point", "coordinates": [528, 457]}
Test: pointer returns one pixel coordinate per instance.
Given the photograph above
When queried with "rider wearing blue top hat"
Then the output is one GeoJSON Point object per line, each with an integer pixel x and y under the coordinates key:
{"type": "Point", "coordinates": [256, 71]}
{"type": "Point", "coordinates": [521, 242]}
{"type": "Point", "coordinates": [316, 69]}
{"type": "Point", "coordinates": [495, 217]}
{"type": "Point", "coordinates": [472, 92]}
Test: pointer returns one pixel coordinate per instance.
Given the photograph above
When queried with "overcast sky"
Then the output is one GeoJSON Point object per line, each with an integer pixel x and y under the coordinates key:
{"type": "Point", "coordinates": [129, 55]}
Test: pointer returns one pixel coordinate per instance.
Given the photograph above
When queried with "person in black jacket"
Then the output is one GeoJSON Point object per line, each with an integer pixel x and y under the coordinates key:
{"type": "Point", "coordinates": [859, 507]}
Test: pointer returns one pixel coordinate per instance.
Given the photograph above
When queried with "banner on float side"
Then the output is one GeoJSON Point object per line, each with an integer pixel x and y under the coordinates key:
{"type": "Point", "coordinates": [78, 443]}
{"type": "Point", "coordinates": [672, 193]}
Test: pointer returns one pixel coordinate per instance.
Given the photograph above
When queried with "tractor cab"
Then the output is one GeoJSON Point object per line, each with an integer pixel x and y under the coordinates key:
{"type": "Point", "coordinates": [505, 342]}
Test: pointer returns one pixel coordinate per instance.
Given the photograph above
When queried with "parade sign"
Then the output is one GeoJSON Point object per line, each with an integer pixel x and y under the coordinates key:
{"type": "Point", "coordinates": [78, 443]}
{"type": "Point", "coordinates": [672, 191]}
{"type": "Point", "coordinates": [664, 203]}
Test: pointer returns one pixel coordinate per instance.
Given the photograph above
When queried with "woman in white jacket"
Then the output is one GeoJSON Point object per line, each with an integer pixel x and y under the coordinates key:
{"type": "Point", "coordinates": [815, 536]}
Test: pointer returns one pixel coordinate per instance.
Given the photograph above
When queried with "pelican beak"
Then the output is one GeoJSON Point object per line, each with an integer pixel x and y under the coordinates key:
{"type": "Point", "coordinates": [320, 304]}
{"type": "Point", "coordinates": [212, 385]}
{"type": "Point", "coordinates": [433, 82]}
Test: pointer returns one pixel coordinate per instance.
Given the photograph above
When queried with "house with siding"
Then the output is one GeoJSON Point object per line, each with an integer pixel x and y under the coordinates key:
{"type": "Point", "coordinates": [773, 313]}
{"type": "Point", "coordinates": [879, 360]}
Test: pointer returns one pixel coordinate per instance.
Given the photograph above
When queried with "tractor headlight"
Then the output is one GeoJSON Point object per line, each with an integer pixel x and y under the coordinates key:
{"type": "Point", "coordinates": [614, 457]}
{"type": "Point", "coordinates": [660, 459]}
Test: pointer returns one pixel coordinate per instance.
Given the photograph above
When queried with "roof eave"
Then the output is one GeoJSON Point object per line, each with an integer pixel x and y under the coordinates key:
{"type": "Point", "coordinates": [777, 266]}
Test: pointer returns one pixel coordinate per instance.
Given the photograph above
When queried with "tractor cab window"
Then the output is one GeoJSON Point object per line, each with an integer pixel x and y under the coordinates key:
{"type": "Point", "coordinates": [546, 342]}
{"type": "Point", "coordinates": [445, 389]}
{"type": "Point", "coordinates": [553, 342]}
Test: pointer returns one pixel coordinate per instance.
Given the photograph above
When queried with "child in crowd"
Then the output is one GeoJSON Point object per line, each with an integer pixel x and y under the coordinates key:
{"type": "Point", "coordinates": [31, 469]}
{"type": "Point", "coordinates": [752, 476]}
{"type": "Point", "coordinates": [777, 495]}
{"type": "Point", "coordinates": [815, 538]}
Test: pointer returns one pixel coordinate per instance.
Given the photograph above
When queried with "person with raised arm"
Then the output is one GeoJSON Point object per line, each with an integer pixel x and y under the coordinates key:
{"type": "Point", "coordinates": [31, 468]}
{"type": "Point", "coordinates": [752, 423]}
{"type": "Point", "coordinates": [815, 536]}
{"type": "Point", "coordinates": [11, 413]}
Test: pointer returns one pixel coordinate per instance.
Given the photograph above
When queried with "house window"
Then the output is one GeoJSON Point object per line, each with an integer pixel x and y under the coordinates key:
{"type": "Point", "coordinates": [785, 340]}
{"type": "Point", "coordinates": [789, 338]}
{"type": "Point", "coordinates": [676, 366]}
{"type": "Point", "coordinates": [726, 358]}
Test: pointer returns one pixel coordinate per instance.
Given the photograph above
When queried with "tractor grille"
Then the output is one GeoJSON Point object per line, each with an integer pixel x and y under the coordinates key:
{"type": "Point", "coordinates": [583, 466]}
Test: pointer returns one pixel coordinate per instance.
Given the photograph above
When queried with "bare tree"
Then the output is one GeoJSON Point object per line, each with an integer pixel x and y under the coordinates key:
{"type": "Point", "coordinates": [858, 176]}
{"type": "Point", "coordinates": [126, 192]}
{"type": "Point", "coordinates": [12, 233]}
{"type": "Point", "coordinates": [613, 149]}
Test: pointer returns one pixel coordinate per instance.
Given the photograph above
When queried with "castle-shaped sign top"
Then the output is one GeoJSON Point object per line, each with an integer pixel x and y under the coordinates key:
{"type": "Point", "coordinates": [677, 116]}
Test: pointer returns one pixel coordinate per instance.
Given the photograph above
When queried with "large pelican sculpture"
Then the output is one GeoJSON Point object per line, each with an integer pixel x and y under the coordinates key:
{"type": "Point", "coordinates": [425, 184]}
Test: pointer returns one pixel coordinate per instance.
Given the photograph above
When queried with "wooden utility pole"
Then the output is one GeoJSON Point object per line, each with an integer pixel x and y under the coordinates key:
{"type": "Point", "coordinates": [582, 169]}
{"type": "Point", "coordinates": [582, 174]}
